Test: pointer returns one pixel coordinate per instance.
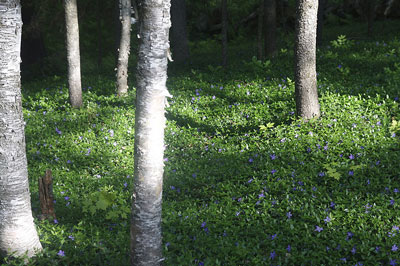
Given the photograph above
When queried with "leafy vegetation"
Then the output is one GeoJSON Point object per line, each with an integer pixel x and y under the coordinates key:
{"type": "Point", "coordinates": [246, 183]}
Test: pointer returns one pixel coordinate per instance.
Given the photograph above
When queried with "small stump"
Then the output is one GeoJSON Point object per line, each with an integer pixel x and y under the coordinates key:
{"type": "Point", "coordinates": [46, 196]}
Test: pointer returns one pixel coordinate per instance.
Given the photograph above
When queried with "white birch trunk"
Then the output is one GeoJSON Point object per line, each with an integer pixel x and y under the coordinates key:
{"type": "Point", "coordinates": [17, 230]}
{"type": "Point", "coordinates": [124, 47]}
{"type": "Point", "coordinates": [154, 21]}
{"type": "Point", "coordinates": [73, 55]}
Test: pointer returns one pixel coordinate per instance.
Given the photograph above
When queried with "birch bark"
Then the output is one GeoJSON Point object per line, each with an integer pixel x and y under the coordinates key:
{"type": "Point", "coordinates": [154, 23]}
{"type": "Point", "coordinates": [124, 47]}
{"type": "Point", "coordinates": [17, 230]}
{"type": "Point", "coordinates": [73, 55]}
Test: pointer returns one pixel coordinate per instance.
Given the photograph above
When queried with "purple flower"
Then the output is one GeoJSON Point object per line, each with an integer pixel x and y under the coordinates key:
{"type": "Point", "coordinates": [321, 174]}
{"type": "Point", "coordinates": [250, 160]}
{"type": "Point", "coordinates": [272, 255]}
{"type": "Point", "coordinates": [273, 236]}
{"type": "Point", "coordinates": [273, 171]}
{"type": "Point", "coordinates": [351, 173]}
{"type": "Point", "coordinates": [351, 157]}
{"type": "Point", "coordinates": [66, 198]}
{"type": "Point", "coordinates": [71, 237]}
{"type": "Point", "coordinates": [55, 221]}
{"type": "Point", "coordinates": [318, 229]}
{"type": "Point", "coordinates": [394, 247]}
{"type": "Point", "coordinates": [61, 253]}
{"type": "Point", "coordinates": [353, 250]}
{"type": "Point", "coordinates": [289, 215]}
{"type": "Point", "coordinates": [327, 219]}
{"type": "Point", "coordinates": [392, 262]}
{"type": "Point", "coordinates": [272, 156]}
{"type": "Point", "coordinates": [349, 235]}
{"type": "Point", "coordinates": [261, 195]}
{"type": "Point", "coordinates": [289, 248]}
{"type": "Point", "coordinates": [58, 131]}
{"type": "Point", "coordinates": [203, 224]}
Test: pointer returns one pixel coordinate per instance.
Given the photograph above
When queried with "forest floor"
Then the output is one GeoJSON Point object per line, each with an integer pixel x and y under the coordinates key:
{"type": "Point", "coordinates": [246, 183]}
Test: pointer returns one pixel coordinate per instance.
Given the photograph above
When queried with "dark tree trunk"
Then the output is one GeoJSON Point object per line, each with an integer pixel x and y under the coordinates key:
{"type": "Point", "coordinates": [370, 14]}
{"type": "Point", "coordinates": [270, 28]}
{"type": "Point", "coordinates": [99, 36]}
{"type": "Point", "coordinates": [260, 20]}
{"type": "Point", "coordinates": [17, 230]}
{"type": "Point", "coordinates": [224, 33]}
{"type": "Point", "coordinates": [307, 105]}
{"type": "Point", "coordinates": [179, 41]}
{"type": "Point", "coordinates": [320, 23]}
{"type": "Point", "coordinates": [73, 55]}
{"type": "Point", "coordinates": [154, 19]}
{"type": "Point", "coordinates": [124, 47]}
{"type": "Point", "coordinates": [117, 28]}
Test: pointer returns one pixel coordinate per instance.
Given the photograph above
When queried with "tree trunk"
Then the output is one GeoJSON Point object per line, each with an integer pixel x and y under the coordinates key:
{"type": "Point", "coordinates": [99, 37]}
{"type": "Point", "coordinates": [179, 41]}
{"type": "Point", "coordinates": [17, 230]}
{"type": "Point", "coordinates": [370, 10]}
{"type": "Point", "coordinates": [124, 47]}
{"type": "Point", "coordinates": [320, 22]}
{"type": "Point", "coordinates": [270, 28]}
{"type": "Point", "coordinates": [260, 20]}
{"type": "Point", "coordinates": [224, 33]}
{"type": "Point", "coordinates": [73, 56]}
{"type": "Point", "coordinates": [307, 105]}
{"type": "Point", "coordinates": [154, 19]}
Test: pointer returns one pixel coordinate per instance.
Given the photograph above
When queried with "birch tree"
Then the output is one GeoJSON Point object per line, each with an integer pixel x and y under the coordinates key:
{"type": "Point", "coordinates": [307, 105]}
{"type": "Point", "coordinates": [18, 234]}
{"type": "Point", "coordinates": [154, 24]}
{"type": "Point", "coordinates": [124, 47]}
{"type": "Point", "coordinates": [73, 55]}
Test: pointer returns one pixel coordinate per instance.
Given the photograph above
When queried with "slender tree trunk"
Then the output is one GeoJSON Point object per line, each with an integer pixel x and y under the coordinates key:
{"type": "Point", "coordinates": [370, 10]}
{"type": "Point", "coordinates": [260, 21]}
{"type": "Point", "coordinates": [17, 230]}
{"type": "Point", "coordinates": [154, 19]}
{"type": "Point", "coordinates": [179, 41]}
{"type": "Point", "coordinates": [73, 56]}
{"type": "Point", "coordinates": [307, 105]}
{"type": "Point", "coordinates": [270, 28]}
{"type": "Point", "coordinates": [320, 23]}
{"type": "Point", "coordinates": [224, 33]}
{"type": "Point", "coordinates": [99, 37]}
{"type": "Point", "coordinates": [117, 28]}
{"type": "Point", "coordinates": [124, 47]}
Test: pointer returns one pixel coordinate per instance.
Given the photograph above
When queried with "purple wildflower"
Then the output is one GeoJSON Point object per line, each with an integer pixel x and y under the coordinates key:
{"type": "Point", "coordinates": [318, 229]}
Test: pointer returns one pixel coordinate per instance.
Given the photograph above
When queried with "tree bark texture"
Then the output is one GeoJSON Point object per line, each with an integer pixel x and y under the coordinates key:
{"type": "Point", "coordinates": [46, 196]}
{"type": "Point", "coordinates": [260, 19]}
{"type": "Point", "coordinates": [224, 33]}
{"type": "Point", "coordinates": [320, 22]}
{"type": "Point", "coordinates": [270, 28]}
{"type": "Point", "coordinates": [154, 25]}
{"type": "Point", "coordinates": [307, 105]}
{"type": "Point", "coordinates": [73, 55]}
{"type": "Point", "coordinates": [179, 40]}
{"type": "Point", "coordinates": [124, 48]}
{"type": "Point", "coordinates": [17, 230]}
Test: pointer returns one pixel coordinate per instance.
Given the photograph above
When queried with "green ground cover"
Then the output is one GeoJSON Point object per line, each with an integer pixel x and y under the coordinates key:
{"type": "Point", "coordinates": [246, 183]}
